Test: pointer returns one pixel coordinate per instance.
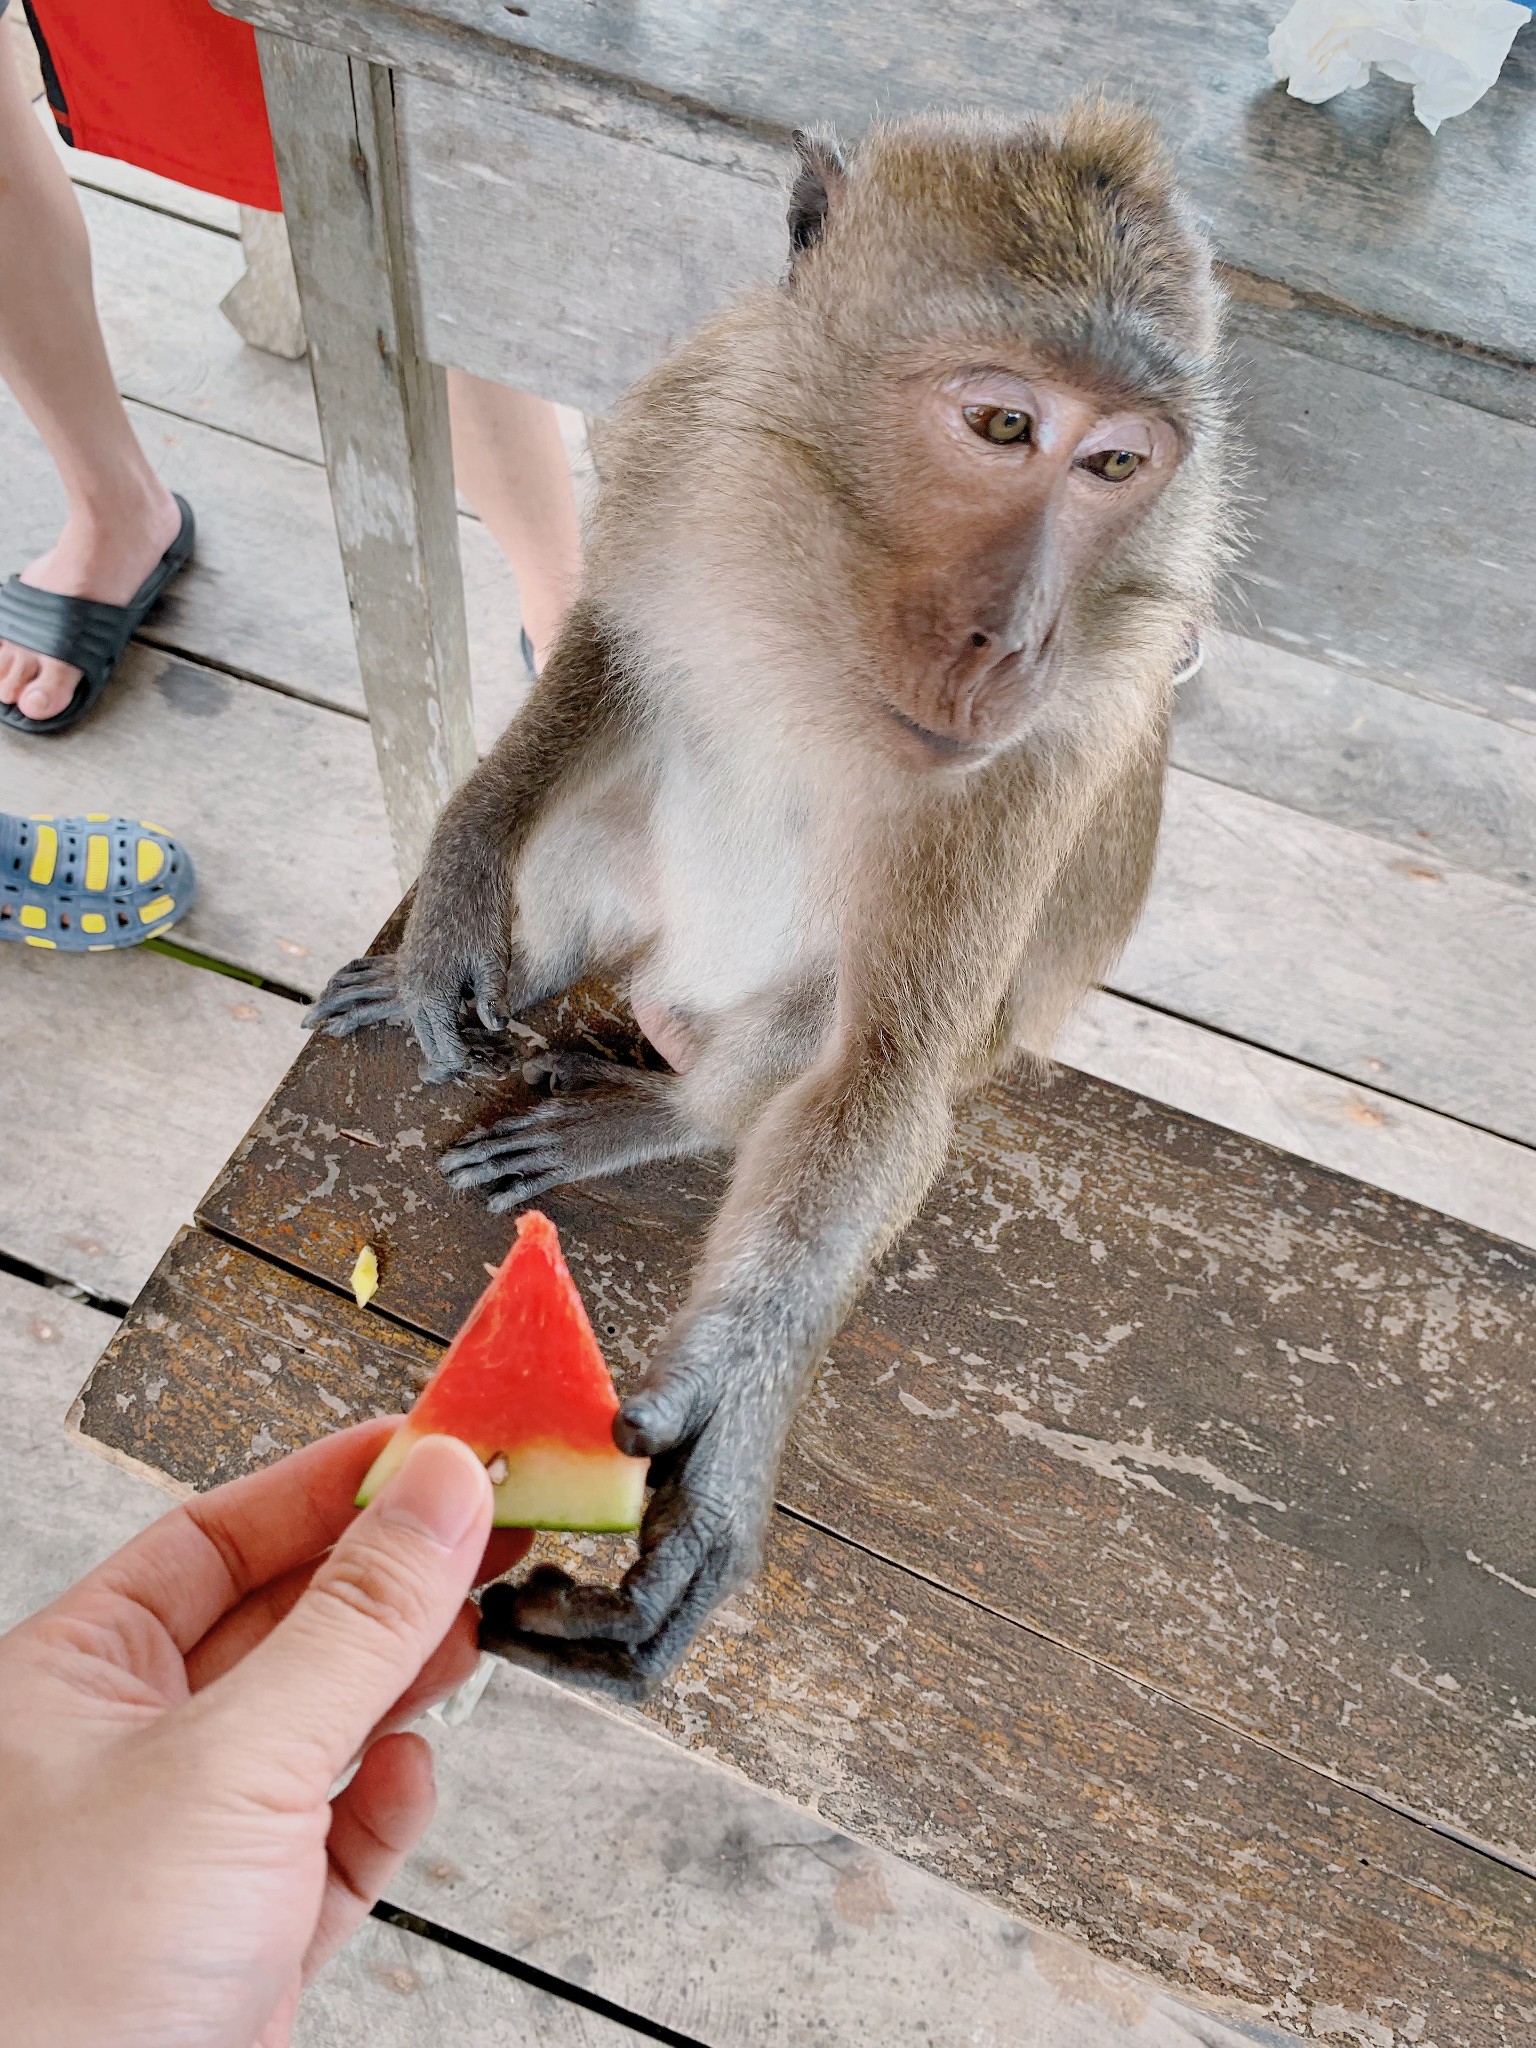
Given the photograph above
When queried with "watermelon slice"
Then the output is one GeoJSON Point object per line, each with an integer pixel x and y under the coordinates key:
{"type": "Point", "coordinates": [525, 1386]}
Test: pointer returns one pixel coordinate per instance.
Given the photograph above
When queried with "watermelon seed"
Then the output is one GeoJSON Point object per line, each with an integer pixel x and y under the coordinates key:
{"type": "Point", "coordinates": [496, 1470]}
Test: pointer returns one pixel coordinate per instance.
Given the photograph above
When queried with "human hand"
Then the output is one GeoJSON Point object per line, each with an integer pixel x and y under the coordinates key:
{"type": "Point", "coordinates": [172, 1866]}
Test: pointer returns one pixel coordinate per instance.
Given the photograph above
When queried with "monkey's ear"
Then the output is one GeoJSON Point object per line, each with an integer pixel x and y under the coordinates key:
{"type": "Point", "coordinates": [823, 169]}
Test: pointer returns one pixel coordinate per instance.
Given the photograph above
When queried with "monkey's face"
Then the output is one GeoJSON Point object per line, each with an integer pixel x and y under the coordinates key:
{"type": "Point", "coordinates": [1005, 338]}
{"type": "Point", "coordinates": [1007, 493]}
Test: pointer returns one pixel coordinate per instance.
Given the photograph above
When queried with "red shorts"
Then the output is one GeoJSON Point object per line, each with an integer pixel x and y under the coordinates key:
{"type": "Point", "coordinates": [166, 84]}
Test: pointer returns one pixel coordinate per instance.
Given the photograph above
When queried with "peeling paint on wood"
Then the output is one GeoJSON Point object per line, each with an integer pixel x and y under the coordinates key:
{"type": "Point", "coordinates": [1247, 1429]}
{"type": "Point", "coordinates": [1017, 1769]}
{"type": "Point", "coordinates": [1228, 1427]}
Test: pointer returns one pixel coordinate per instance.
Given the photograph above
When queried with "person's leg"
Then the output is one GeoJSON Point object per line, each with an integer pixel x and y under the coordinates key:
{"type": "Point", "coordinates": [121, 517]}
{"type": "Point", "coordinates": [509, 462]}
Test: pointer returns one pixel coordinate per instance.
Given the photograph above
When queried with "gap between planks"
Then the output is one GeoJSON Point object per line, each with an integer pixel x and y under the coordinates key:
{"type": "Point", "coordinates": [56, 1348]}
{"type": "Point", "coordinates": [1185, 1701]}
{"type": "Point", "coordinates": [1088, 1658]}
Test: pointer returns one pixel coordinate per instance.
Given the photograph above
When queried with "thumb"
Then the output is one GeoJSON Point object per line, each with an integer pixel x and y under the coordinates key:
{"type": "Point", "coordinates": [370, 1618]}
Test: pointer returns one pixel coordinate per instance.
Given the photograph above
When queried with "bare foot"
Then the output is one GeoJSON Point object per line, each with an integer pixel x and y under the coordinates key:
{"type": "Point", "coordinates": [106, 555]}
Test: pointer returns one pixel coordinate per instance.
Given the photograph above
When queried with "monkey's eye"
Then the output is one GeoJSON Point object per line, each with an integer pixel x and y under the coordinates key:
{"type": "Point", "coordinates": [1115, 465]}
{"type": "Point", "coordinates": [1002, 423]}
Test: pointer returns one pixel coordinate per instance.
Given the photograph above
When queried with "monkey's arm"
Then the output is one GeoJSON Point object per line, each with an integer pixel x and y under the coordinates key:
{"type": "Point", "coordinates": [833, 1168]}
{"type": "Point", "coordinates": [836, 1166]}
{"type": "Point", "coordinates": [458, 937]}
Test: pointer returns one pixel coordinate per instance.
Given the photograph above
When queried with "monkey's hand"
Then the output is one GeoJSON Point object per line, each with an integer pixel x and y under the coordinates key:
{"type": "Point", "coordinates": [717, 1453]}
{"type": "Point", "coordinates": [457, 950]}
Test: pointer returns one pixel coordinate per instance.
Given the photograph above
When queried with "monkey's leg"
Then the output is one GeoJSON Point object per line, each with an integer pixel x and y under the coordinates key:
{"type": "Point", "coordinates": [603, 1117]}
{"type": "Point", "coordinates": [600, 1118]}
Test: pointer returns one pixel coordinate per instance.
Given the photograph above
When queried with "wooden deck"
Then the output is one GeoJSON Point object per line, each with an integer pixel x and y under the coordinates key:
{"type": "Point", "coordinates": [1339, 958]}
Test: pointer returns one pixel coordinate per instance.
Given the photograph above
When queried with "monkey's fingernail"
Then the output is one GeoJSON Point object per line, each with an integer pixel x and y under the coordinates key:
{"type": "Point", "coordinates": [640, 1429]}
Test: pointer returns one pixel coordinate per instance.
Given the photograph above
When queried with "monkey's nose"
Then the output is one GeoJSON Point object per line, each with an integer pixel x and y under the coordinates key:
{"type": "Point", "coordinates": [985, 657]}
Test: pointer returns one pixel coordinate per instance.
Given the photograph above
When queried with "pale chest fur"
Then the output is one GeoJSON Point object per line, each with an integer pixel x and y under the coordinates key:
{"type": "Point", "coordinates": [701, 865]}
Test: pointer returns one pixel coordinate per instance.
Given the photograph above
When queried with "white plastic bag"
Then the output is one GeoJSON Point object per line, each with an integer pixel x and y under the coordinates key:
{"type": "Point", "coordinates": [1449, 51]}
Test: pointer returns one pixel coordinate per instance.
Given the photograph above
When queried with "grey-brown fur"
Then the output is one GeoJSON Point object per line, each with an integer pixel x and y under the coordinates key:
{"type": "Point", "coordinates": [851, 754]}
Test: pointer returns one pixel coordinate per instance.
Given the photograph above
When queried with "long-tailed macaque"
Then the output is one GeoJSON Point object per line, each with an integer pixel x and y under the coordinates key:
{"type": "Point", "coordinates": [849, 757]}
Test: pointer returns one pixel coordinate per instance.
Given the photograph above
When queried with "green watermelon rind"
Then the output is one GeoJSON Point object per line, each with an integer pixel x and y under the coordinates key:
{"type": "Point", "coordinates": [599, 1493]}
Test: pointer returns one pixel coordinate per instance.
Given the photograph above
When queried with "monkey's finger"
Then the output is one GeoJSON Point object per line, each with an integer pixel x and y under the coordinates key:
{"type": "Point", "coordinates": [671, 1404]}
{"type": "Point", "coordinates": [550, 1603]}
{"type": "Point", "coordinates": [371, 967]}
{"type": "Point", "coordinates": [349, 987]}
{"type": "Point", "coordinates": [562, 1071]}
{"type": "Point", "coordinates": [527, 1131]}
{"type": "Point", "coordinates": [341, 1023]}
{"type": "Point", "coordinates": [668, 1647]}
{"type": "Point", "coordinates": [516, 1166]}
{"type": "Point", "coordinates": [436, 1024]}
{"type": "Point", "coordinates": [523, 1191]}
{"type": "Point", "coordinates": [361, 978]}
{"type": "Point", "coordinates": [335, 1002]}
{"type": "Point", "coordinates": [606, 1668]}
{"type": "Point", "coordinates": [488, 985]}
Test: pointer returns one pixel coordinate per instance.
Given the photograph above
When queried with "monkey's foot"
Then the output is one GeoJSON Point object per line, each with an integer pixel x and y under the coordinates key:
{"type": "Point", "coordinates": [600, 1118]}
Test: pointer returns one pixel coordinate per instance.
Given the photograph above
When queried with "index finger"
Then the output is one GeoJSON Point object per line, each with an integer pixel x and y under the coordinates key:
{"type": "Point", "coordinates": [203, 1558]}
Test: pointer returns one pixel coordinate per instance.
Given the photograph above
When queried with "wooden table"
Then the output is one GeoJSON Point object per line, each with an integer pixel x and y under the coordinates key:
{"type": "Point", "coordinates": [1154, 1555]}
{"type": "Point", "coordinates": [553, 194]}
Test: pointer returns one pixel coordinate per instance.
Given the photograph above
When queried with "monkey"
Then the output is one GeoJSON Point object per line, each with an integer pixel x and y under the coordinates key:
{"type": "Point", "coordinates": [848, 759]}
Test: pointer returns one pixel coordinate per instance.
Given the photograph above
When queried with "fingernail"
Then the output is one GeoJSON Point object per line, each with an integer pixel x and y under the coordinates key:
{"type": "Point", "coordinates": [441, 1490]}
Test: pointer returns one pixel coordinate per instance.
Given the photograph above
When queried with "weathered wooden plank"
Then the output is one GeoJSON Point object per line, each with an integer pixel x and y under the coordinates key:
{"type": "Point", "coordinates": [983, 1752]}
{"type": "Point", "coordinates": [265, 595]}
{"type": "Point", "coordinates": [1338, 745]}
{"type": "Point", "coordinates": [263, 307]}
{"type": "Point", "coordinates": [1387, 529]}
{"type": "Point", "coordinates": [1331, 1389]}
{"type": "Point", "coordinates": [695, 1898]}
{"type": "Point", "coordinates": [638, 1869]}
{"type": "Point", "coordinates": [1449, 1166]}
{"type": "Point", "coordinates": [277, 799]}
{"type": "Point", "coordinates": [1272, 312]}
{"type": "Point", "coordinates": [65, 1508]}
{"type": "Point", "coordinates": [384, 422]}
{"type": "Point", "coordinates": [158, 284]}
{"type": "Point", "coordinates": [1354, 201]}
{"type": "Point", "coordinates": [1342, 950]}
{"type": "Point", "coordinates": [595, 255]}
{"type": "Point", "coordinates": [572, 261]}
{"type": "Point", "coordinates": [129, 1077]}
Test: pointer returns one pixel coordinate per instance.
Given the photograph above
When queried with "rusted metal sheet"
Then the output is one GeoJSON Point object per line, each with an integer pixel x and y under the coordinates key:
{"type": "Point", "coordinates": [998, 1759]}
{"type": "Point", "coordinates": [1244, 1428]}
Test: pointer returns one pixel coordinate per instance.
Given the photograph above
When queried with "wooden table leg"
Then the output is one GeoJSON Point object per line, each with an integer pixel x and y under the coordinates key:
{"type": "Point", "coordinates": [383, 421]}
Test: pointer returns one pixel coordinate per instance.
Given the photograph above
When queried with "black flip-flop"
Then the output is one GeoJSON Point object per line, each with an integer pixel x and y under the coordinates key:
{"type": "Point", "coordinates": [89, 635]}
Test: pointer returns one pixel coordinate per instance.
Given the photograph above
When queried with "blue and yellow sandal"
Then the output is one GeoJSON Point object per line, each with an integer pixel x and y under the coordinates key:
{"type": "Point", "coordinates": [92, 884]}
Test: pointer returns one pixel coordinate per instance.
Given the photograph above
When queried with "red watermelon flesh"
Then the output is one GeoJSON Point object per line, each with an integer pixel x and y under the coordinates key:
{"type": "Point", "coordinates": [525, 1386]}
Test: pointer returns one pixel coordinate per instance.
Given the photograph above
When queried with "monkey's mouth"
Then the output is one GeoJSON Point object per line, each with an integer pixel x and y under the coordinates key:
{"type": "Point", "coordinates": [943, 746]}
